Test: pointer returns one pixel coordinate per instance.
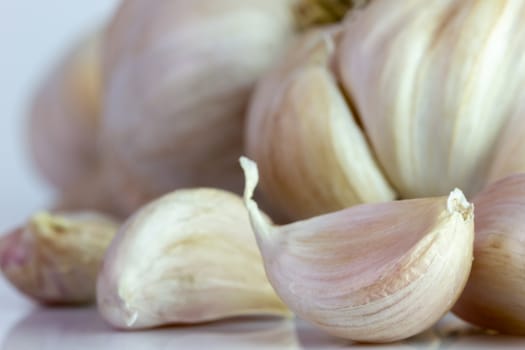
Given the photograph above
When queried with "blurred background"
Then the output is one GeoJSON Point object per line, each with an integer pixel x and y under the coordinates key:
{"type": "Point", "coordinates": [33, 35]}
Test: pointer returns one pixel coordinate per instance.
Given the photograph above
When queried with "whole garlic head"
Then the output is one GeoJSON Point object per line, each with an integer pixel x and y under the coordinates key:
{"type": "Point", "coordinates": [187, 257]}
{"type": "Point", "coordinates": [411, 96]}
{"type": "Point", "coordinates": [177, 76]}
{"type": "Point", "coordinates": [55, 258]}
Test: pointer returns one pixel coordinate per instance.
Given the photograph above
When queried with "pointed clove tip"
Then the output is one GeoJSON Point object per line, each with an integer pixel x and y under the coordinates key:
{"type": "Point", "coordinates": [41, 217]}
{"type": "Point", "coordinates": [46, 224]}
{"type": "Point", "coordinates": [260, 223]}
{"type": "Point", "coordinates": [251, 176]}
{"type": "Point", "coordinates": [457, 203]}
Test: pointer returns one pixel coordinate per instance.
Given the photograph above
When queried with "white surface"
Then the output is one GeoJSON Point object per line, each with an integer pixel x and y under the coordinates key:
{"type": "Point", "coordinates": [32, 35]}
{"type": "Point", "coordinates": [24, 326]}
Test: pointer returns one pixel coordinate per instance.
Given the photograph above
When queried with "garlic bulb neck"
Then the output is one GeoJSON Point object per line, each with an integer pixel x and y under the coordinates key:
{"type": "Point", "coordinates": [311, 13]}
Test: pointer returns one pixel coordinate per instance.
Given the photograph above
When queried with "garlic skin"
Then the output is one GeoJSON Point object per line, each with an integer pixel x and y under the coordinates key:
{"type": "Point", "coordinates": [494, 295]}
{"type": "Point", "coordinates": [55, 258]}
{"type": "Point", "coordinates": [509, 155]}
{"type": "Point", "coordinates": [305, 136]}
{"type": "Point", "coordinates": [375, 272]}
{"type": "Point", "coordinates": [64, 132]}
{"type": "Point", "coordinates": [434, 83]}
{"type": "Point", "coordinates": [177, 77]}
{"type": "Point", "coordinates": [430, 85]}
{"type": "Point", "coordinates": [64, 117]}
{"type": "Point", "coordinates": [187, 257]}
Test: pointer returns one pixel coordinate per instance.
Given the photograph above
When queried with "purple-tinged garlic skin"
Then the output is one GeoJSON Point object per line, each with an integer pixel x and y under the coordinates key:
{"type": "Point", "coordinates": [404, 99]}
{"type": "Point", "coordinates": [494, 297]}
{"type": "Point", "coordinates": [178, 76]}
{"type": "Point", "coordinates": [374, 272]}
{"type": "Point", "coordinates": [54, 258]}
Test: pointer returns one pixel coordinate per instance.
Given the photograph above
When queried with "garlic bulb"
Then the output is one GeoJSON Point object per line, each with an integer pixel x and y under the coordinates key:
{"type": "Point", "coordinates": [375, 272]}
{"type": "Point", "coordinates": [178, 75]}
{"type": "Point", "coordinates": [187, 257]}
{"type": "Point", "coordinates": [494, 295]}
{"type": "Point", "coordinates": [429, 85]}
{"type": "Point", "coordinates": [64, 117]}
{"type": "Point", "coordinates": [54, 258]}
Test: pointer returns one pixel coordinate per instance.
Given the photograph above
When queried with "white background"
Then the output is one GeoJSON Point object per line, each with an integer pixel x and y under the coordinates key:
{"type": "Point", "coordinates": [33, 34]}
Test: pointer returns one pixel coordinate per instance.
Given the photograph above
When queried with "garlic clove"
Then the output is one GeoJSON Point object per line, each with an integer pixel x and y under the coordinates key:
{"type": "Point", "coordinates": [303, 134]}
{"type": "Point", "coordinates": [434, 83]}
{"type": "Point", "coordinates": [187, 257]}
{"type": "Point", "coordinates": [54, 258]}
{"type": "Point", "coordinates": [374, 272]}
{"type": "Point", "coordinates": [494, 295]}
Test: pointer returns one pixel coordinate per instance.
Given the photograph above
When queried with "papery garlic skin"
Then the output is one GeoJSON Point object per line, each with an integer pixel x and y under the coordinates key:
{"type": "Point", "coordinates": [55, 258]}
{"type": "Point", "coordinates": [187, 257]}
{"type": "Point", "coordinates": [178, 76]}
{"type": "Point", "coordinates": [429, 85]}
{"type": "Point", "coordinates": [313, 156]}
{"type": "Point", "coordinates": [434, 83]}
{"type": "Point", "coordinates": [494, 295]}
{"type": "Point", "coordinates": [509, 154]}
{"type": "Point", "coordinates": [64, 117]}
{"type": "Point", "coordinates": [375, 272]}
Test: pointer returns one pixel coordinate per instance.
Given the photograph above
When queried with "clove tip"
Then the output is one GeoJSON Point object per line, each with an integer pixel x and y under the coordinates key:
{"type": "Point", "coordinates": [251, 175]}
{"type": "Point", "coordinates": [457, 203]}
{"type": "Point", "coordinates": [260, 223]}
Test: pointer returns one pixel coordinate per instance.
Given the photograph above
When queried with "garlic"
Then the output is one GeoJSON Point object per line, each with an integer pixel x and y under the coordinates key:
{"type": "Point", "coordinates": [178, 75]}
{"type": "Point", "coordinates": [177, 71]}
{"type": "Point", "coordinates": [63, 129]}
{"type": "Point", "coordinates": [494, 295]}
{"type": "Point", "coordinates": [434, 83]}
{"type": "Point", "coordinates": [306, 136]}
{"type": "Point", "coordinates": [375, 272]}
{"type": "Point", "coordinates": [430, 85]}
{"type": "Point", "coordinates": [54, 258]}
{"type": "Point", "coordinates": [187, 257]}
{"type": "Point", "coordinates": [509, 154]}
